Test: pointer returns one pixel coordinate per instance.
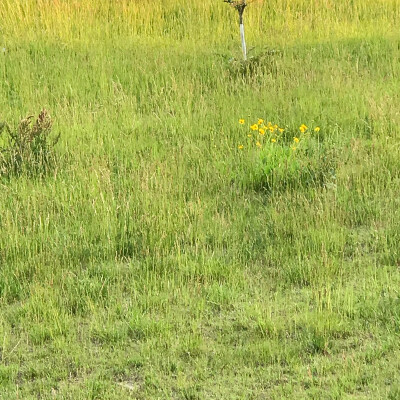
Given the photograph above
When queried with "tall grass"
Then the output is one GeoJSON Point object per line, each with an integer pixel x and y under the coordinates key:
{"type": "Point", "coordinates": [282, 21]}
{"type": "Point", "coordinates": [154, 261]}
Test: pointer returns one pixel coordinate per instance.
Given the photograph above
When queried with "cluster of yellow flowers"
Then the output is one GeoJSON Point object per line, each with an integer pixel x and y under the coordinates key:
{"type": "Point", "coordinates": [260, 128]}
{"type": "Point", "coordinates": [259, 131]}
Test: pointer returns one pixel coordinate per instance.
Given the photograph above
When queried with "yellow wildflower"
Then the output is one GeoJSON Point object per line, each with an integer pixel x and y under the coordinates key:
{"type": "Point", "coordinates": [275, 126]}
{"type": "Point", "coordinates": [258, 144]}
{"type": "Point", "coordinates": [293, 148]}
{"type": "Point", "coordinates": [249, 135]}
{"type": "Point", "coordinates": [254, 127]}
{"type": "Point", "coordinates": [240, 147]}
{"type": "Point", "coordinates": [281, 130]}
{"type": "Point", "coordinates": [303, 128]}
{"type": "Point", "coordinates": [317, 129]}
{"type": "Point", "coordinates": [273, 140]}
{"type": "Point", "coordinates": [296, 139]}
{"type": "Point", "coordinates": [262, 131]}
{"type": "Point", "coordinates": [260, 121]}
{"type": "Point", "coordinates": [241, 121]}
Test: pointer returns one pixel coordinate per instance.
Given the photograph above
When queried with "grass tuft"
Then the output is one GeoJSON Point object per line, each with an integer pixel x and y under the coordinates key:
{"type": "Point", "coordinates": [28, 148]}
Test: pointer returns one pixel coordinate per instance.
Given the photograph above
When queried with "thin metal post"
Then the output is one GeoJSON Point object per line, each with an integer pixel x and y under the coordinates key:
{"type": "Point", "coordinates": [243, 42]}
{"type": "Point", "coordinates": [241, 25]}
{"type": "Point", "coordinates": [240, 5]}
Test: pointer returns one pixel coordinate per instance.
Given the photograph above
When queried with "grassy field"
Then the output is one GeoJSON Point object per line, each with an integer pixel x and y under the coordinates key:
{"type": "Point", "coordinates": [157, 259]}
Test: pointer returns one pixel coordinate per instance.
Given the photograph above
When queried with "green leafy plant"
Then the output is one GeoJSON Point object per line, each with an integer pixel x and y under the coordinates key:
{"type": "Point", "coordinates": [256, 65]}
{"type": "Point", "coordinates": [27, 149]}
{"type": "Point", "coordinates": [281, 158]}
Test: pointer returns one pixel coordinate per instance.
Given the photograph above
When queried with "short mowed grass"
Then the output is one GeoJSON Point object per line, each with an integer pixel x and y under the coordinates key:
{"type": "Point", "coordinates": [154, 260]}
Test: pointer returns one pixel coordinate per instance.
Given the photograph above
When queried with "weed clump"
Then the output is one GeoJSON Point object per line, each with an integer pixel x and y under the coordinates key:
{"type": "Point", "coordinates": [28, 149]}
{"type": "Point", "coordinates": [277, 158]}
{"type": "Point", "coordinates": [264, 62]}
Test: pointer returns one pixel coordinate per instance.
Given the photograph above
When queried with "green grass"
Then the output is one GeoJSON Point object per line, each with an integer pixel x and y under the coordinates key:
{"type": "Point", "coordinates": [154, 262]}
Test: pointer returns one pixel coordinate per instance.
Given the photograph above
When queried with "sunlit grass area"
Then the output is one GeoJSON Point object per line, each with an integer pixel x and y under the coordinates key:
{"type": "Point", "coordinates": [167, 254]}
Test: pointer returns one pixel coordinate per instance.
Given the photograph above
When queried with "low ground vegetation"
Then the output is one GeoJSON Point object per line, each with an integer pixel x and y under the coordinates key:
{"type": "Point", "coordinates": [172, 257]}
